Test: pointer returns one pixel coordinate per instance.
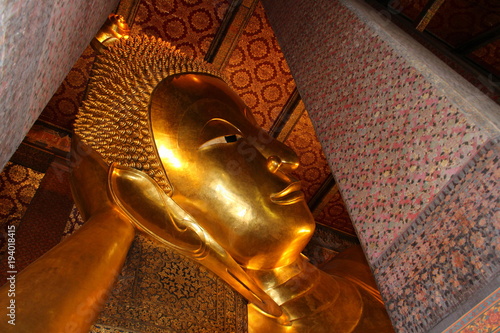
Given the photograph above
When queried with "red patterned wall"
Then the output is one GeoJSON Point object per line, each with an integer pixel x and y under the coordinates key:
{"type": "Point", "coordinates": [258, 71]}
{"type": "Point", "coordinates": [335, 215]}
{"type": "Point", "coordinates": [188, 24]}
{"type": "Point", "coordinates": [457, 21]}
{"type": "Point", "coordinates": [488, 56]}
{"type": "Point", "coordinates": [63, 106]}
{"type": "Point", "coordinates": [313, 169]}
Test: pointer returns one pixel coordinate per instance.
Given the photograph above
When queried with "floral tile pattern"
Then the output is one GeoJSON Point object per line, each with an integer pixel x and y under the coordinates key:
{"type": "Point", "coordinates": [63, 106]}
{"type": "Point", "coordinates": [313, 169]}
{"type": "Point", "coordinates": [450, 251]}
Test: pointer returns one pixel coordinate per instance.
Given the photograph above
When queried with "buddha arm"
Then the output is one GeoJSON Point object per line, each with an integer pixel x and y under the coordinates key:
{"type": "Point", "coordinates": [64, 290]}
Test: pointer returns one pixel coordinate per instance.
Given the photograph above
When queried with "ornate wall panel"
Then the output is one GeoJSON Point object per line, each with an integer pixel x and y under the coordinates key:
{"type": "Point", "coordinates": [161, 291]}
{"type": "Point", "coordinates": [18, 185]}
{"type": "Point", "coordinates": [457, 21]}
{"type": "Point", "coordinates": [258, 71]}
{"type": "Point", "coordinates": [190, 25]}
{"type": "Point", "coordinates": [313, 169]}
{"type": "Point", "coordinates": [335, 215]}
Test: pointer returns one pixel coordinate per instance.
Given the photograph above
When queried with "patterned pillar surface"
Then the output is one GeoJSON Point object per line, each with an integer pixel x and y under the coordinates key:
{"type": "Point", "coordinates": [40, 43]}
{"type": "Point", "coordinates": [415, 151]}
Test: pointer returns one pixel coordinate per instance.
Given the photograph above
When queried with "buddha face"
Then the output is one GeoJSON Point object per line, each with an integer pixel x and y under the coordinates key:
{"type": "Point", "coordinates": [228, 173]}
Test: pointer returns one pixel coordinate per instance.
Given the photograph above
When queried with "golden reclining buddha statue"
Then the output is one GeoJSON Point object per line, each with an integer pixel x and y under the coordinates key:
{"type": "Point", "coordinates": [164, 146]}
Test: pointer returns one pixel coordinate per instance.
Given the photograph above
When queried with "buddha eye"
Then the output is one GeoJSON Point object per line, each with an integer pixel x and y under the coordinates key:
{"type": "Point", "coordinates": [231, 138]}
{"type": "Point", "coordinates": [221, 140]}
{"type": "Point", "coordinates": [218, 131]}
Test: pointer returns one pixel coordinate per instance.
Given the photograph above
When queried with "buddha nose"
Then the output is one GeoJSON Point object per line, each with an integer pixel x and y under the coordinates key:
{"type": "Point", "coordinates": [279, 156]}
{"type": "Point", "coordinates": [274, 163]}
{"type": "Point", "coordinates": [282, 158]}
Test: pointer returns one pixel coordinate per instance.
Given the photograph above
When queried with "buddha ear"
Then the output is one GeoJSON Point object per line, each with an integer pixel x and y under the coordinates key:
{"type": "Point", "coordinates": [168, 188]}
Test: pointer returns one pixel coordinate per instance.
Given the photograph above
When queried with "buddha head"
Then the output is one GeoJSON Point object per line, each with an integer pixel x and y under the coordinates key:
{"type": "Point", "coordinates": [153, 109]}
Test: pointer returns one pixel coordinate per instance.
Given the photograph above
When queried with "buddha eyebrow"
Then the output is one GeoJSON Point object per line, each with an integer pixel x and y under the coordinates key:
{"type": "Point", "coordinates": [222, 122]}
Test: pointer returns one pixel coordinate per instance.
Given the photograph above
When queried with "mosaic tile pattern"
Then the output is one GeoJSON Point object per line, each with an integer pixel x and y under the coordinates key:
{"type": "Point", "coordinates": [451, 250]}
{"type": "Point", "coordinates": [258, 71]}
{"type": "Point", "coordinates": [392, 140]}
{"type": "Point", "coordinates": [160, 291]}
{"type": "Point", "coordinates": [313, 169]}
{"type": "Point", "coordinates": [484, 318]}
{"type": "Point", "coordinates": [187, 24]}
{"type": "Point", "coordinates": [18, 185]}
